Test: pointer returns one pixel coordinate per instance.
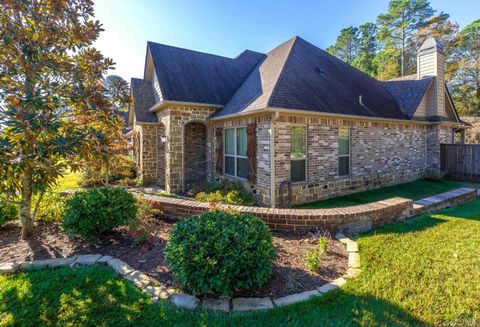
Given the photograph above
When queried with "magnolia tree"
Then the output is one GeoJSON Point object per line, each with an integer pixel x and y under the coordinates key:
{"type": "Point", "coordinates": [55, 110]}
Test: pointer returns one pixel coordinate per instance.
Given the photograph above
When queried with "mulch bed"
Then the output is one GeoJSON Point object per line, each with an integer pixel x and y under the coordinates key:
{"type": "Point", "coordinates": [289, 272]}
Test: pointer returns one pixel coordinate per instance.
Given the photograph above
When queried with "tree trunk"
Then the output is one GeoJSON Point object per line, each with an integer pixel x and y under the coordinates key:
{"type": "Point", "coordinates": [403, 51]}
{"type": "Point", "coordinates": [26, 205]}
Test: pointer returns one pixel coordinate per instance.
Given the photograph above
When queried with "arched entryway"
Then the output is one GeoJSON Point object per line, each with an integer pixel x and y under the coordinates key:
{"type": "Point", "coordinates": [195, 154]}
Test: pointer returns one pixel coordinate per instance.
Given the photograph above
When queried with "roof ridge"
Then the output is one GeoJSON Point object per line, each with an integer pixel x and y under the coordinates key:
{"type": "Point", "coordinates": [293, 40]}
{"type": "Point", "coordinates": [200, 52]}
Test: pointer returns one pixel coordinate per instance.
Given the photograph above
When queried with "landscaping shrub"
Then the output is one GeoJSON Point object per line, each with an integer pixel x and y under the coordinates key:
{"type": "Point", "coordinates": [141, 227]}
{"type": "Point", "coordinates": [314, 258]}
{"type": "Point", "coordinates": [220, 252]}
{"type": "Point", "coordinates": [122, 170]}
{"type": "Point", "coordinates": [8, 212]}
{"type": "Point", "coordinates": [98, 210]}
{"type": "Point", "coordinates": [226, 192]}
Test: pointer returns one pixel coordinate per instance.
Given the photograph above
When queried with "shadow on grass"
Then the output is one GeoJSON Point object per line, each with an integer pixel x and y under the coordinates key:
{"type": "Point", "coordinates": [82, 296]}
{"type": "Point", "coordinates": [94, 296]}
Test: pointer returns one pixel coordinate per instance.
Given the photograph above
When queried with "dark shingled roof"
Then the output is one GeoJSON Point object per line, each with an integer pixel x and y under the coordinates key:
{"type": "Point", "coordinates": [298, 75]}
{"type": "Point", "coordinates": [408, 93]}
{"type": "Point", "coordinates": [143, 99]}
{"type": "Point", "coordinates": [192, 76]}
{"type": "Point", "coordinates": [295, 75]}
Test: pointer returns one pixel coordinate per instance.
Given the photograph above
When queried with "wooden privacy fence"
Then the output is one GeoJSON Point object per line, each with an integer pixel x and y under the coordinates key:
{"type": "Point", "coordinates": [461, 161]}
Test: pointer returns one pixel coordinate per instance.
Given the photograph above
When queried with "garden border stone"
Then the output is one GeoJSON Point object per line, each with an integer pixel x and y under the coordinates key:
{"type": "Point", "coordinates": [157, 290]}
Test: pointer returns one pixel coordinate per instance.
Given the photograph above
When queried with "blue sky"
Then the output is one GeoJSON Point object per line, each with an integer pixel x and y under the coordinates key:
{"type": "Point", "coordinates": [227, 27]}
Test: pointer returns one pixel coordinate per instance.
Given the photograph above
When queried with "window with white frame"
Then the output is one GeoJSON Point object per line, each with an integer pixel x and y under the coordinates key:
{"type": "Point", "coordinates": [235, 156]}
{"type": "Point", "coordinates": [298, 153]}
{"type": "Point", "coordinates": [343, 151]}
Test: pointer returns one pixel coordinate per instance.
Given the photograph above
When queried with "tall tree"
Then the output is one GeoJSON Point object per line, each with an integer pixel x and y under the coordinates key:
{"type": "Point", "coordinates": [464, 69]}
{"type": "Point", "coordinates": [439, 27]}
{"type": "Point", "coordinates": [367, 49]}
{"type": "Point", "coordinates": [346, 45]}
{"type": "Point", "coordinates": [53, 104]}
{"type": "Point", "coordinates": [397, 26]}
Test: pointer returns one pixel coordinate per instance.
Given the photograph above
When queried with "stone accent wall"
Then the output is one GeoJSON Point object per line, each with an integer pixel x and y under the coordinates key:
{"type": "Point", "coordinates": [149, 153]}
{"type": "Point", "coordinates": [161, 156]}
{"type": "Point", "coordinates": [381, 154]}
{"type": "Point", "coordinates": [174, 118]}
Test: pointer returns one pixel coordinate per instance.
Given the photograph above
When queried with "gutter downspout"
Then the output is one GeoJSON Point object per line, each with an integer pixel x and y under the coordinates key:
{"type": "Point", "coordinates": [272, 159]}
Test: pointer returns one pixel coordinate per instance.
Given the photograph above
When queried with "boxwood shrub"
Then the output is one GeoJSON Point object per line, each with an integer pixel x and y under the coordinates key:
{"type": "Point", "coordinates": [220, 252]}
{"type": "Point", "coordinates": [8, 212]}
{"type": "Point", "coordinates": [98, 210]}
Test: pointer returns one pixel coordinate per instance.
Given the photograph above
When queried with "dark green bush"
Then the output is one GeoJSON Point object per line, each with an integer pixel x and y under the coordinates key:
{"type": "Point", "coordinates": [220, 252]}
{"type": "Point", "coordinates": [98, 210]}
{"type": "Point", "coordinates": [8, 212]}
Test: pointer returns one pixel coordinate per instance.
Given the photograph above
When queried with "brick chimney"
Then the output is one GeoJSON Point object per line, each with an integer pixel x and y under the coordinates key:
{"type": "Point", "coordinates": [431, 62]}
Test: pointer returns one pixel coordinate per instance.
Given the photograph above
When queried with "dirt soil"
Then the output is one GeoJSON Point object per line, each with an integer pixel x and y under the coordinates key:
{"type": "Point", "coordinates": [289, 276]}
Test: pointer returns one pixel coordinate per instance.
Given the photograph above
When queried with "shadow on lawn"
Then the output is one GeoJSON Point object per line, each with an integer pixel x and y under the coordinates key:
{"type": "Point", "coordinates": [83, 296]}
{"type": "Point", "coordinates": [92, 297]}
{"type": "Point", "coordinates": [340, 308]}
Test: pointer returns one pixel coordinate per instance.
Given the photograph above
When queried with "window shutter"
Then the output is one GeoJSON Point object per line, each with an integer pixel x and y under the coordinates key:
{"type": "Point", "coordinates": [219, 150]}
{"type": "Point", "coordinates": [252, 152]}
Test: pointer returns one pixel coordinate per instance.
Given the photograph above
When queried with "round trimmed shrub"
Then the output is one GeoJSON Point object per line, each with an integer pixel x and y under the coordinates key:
{"type": "Point", "coordinates": [220, 252]}
{"type": "Point", "coordinates": [8, 212]}
{"type": "Point", "coordinates": [98, 210]}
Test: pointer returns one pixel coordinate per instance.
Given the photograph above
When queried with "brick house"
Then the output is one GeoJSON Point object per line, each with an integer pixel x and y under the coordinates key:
{"type": "Point", "coordinates": [296, 124]}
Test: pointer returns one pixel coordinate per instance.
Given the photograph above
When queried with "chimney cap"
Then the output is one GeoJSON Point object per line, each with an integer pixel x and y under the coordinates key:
{"type": "Point", "coordinates": [430, 45]}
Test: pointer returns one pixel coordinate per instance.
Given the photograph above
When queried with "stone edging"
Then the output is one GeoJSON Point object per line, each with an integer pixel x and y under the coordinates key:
{"type": "Point", "coordinates": [159, 291]}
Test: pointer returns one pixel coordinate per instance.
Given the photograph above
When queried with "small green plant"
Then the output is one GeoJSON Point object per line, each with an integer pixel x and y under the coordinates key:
{"type": "Point", "coordinates": [313, 259]}
{"type": "Point", "coordinates": [225, 192]}
{"type": "Point", "coordinates": [220, 252]}
{"type": "Point", "coordinates": [98, 210]}
{"type": "Point", "coordinates": [8, 212]}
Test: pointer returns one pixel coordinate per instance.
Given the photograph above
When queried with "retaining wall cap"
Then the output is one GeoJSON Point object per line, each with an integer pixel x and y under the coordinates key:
{"type": "Point", "coordinates": [184, 300]}
{"type": "Point", "coordinates": [294, 298]}
{"type": "Point", "coordinates": [251, 303]}
{"type": "Point", "coordinates": [221, 304]}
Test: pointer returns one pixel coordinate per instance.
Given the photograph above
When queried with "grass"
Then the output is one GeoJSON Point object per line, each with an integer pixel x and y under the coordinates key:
{"type": "Point", "coordinates": [412, 190]}
{"type": "Point", "coordinates": [420, 272]}
{"type": "Point", "coordinates": [69, 181]}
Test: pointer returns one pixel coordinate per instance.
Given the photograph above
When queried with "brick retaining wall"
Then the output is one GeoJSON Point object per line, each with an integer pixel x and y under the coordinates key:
{"type": "Point", "coordinates": [349, 219]}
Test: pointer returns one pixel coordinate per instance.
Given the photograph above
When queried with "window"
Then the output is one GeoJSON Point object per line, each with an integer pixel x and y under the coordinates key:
{"type": "Point", "coordinates": [343, 151]}
{"type": "Point", "coordinates": [236, 163]}
{"type": "Point", "coordinates": [298, 151]}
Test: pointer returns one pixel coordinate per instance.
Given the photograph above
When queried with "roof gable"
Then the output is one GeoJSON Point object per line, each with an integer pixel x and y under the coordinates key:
{"type": "Point", "coordinates": [299, 75]}
{"type": "Point", "coordinates": [143, 99]}
{"type": "Point", "coordinates": [191, 76]}
{"type": "Point", "coordinates": [409, 93]}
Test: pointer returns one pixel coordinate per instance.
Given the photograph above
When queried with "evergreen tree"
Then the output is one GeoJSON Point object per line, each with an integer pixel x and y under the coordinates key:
{"type": "Point", "coordinates": [397, 26]}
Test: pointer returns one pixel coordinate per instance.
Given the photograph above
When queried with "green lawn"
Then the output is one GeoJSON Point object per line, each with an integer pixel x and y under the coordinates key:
{"type": "Point", "coordinates": [412, 190]}
{"type": "Point", "coordinates": [421, 272]}
{"type": "Point", "coordinates": [69, 181]}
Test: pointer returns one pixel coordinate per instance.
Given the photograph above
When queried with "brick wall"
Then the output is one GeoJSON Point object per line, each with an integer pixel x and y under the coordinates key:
{"type": "Point", "coordinates": [381, 154]}
{"type": "Point", "coordinates": [348, 219]}
{"type": "Point", "coordinates": [263, 177]}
